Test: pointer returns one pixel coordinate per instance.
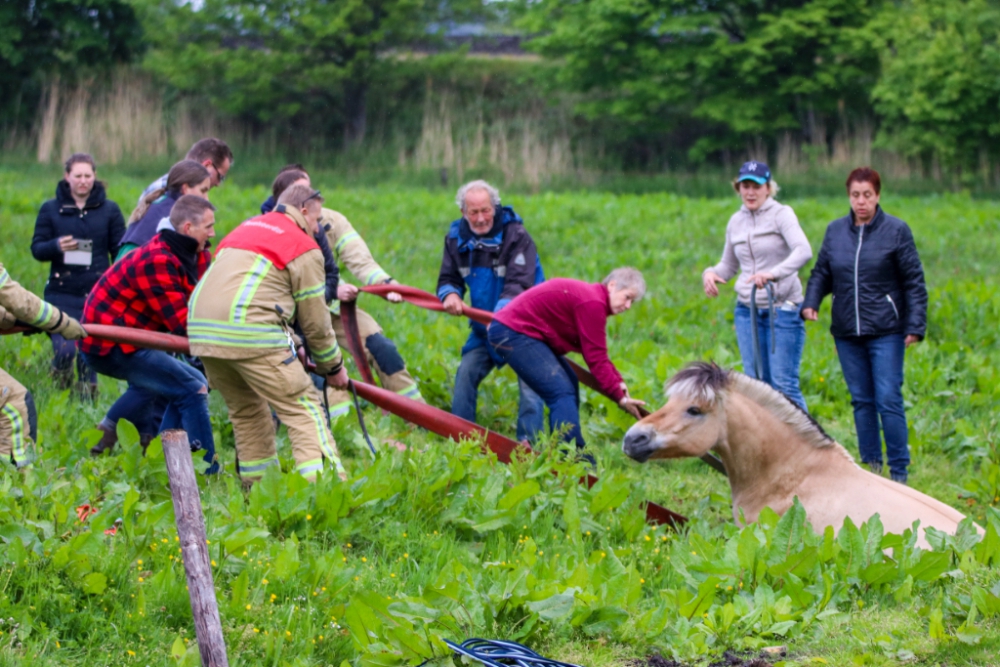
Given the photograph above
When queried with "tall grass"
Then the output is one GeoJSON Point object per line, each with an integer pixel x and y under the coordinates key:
{"type": "Point", "coordinates": [502, 126]}
{"type": "Point", "coordinates": [126, 118]}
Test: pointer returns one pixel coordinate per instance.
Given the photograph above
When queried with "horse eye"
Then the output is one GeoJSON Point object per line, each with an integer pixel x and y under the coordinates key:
{"type": "Point", "coordinates": [694, 411]}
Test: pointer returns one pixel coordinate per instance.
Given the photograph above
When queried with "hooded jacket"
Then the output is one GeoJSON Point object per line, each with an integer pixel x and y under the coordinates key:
{"type": "Point", "coordinates": [267, 274]}
{"type": "Point", "coordinates": [494, 267]}
{"type": "Point", "coordinates": [100, 221]}
{"type": "Point", "coordinates": [142, 230]}
{"type": "Point", "coordinates": [766, 240]}
{"type": "Point", "coordinates": [875, 276]}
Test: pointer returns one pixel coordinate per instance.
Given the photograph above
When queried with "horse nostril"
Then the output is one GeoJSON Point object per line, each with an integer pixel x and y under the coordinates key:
{"type": "Point", "coordinates": [635, 443]}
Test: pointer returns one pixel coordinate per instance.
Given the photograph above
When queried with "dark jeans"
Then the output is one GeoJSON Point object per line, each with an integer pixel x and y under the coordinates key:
{"type": "Point", "coordinates": [65, 354]}
{"type": "Point", "coordinates": [476, 364]}
{"type": "Point", "coordinates": [159, 374]}
{"type": "Point", "coordinates": [547, 373]}
{"type": "Point", "coordinates": [780, 369]}
{"type": "Point", "coordinates": [873, 370]}
{"type": "Point", "coordinates": [144, 409]}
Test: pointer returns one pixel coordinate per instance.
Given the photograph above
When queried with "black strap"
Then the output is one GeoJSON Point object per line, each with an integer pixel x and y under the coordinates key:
{"type": "Point", "coordinates": [361, 417]}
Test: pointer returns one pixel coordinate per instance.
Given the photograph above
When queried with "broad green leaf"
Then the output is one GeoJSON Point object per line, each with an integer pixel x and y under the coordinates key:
{"type": "Point", "coordinates": [238, 540]}
{"type": "Point", "coordinates": [554, 607]}
{"type": "Point", "coordinates": [95, 583]}
{"type": "Point", "coordinates": [571, 512]}
{"type": "Point", "coordinates": [521, 492]}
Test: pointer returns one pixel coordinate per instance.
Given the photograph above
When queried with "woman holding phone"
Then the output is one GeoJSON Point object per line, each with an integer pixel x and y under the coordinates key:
{"type": "Point", "coordinates": [78, 232]}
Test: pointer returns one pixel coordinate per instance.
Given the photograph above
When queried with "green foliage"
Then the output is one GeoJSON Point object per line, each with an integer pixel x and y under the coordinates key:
{"type": "Point", "coordinates": [297, 60]}
{"type": "Point", "coordinates": [746, 68]}
{"type": "Point", "coordinates": [939, 89]}
{"type": "Point", "coordinates": [443, 542]}
{"type": "Point", "coordinates": [61, 37]}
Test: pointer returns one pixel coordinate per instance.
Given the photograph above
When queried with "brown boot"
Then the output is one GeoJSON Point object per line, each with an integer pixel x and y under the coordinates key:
{"type": "Point", "coordinates": [107, 442]}
{"type": "Point", "coordinates": [144, 440]}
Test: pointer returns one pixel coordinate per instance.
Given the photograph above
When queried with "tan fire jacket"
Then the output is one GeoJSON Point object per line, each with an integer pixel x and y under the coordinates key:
{"type": "Point", "coordinates": [348, 247]}
{"type": "Point", "coordinates": [17, 303]}
{"type": "Point", "coordinates": [244, 305]}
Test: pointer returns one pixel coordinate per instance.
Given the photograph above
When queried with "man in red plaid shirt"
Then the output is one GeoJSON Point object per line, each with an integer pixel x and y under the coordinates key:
{"type": "Point", "coordinates": [149, 289]}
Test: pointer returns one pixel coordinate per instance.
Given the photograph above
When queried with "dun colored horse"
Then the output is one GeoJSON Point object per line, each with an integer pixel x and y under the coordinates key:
{"type": "Point", "coordinates": [774, 451]}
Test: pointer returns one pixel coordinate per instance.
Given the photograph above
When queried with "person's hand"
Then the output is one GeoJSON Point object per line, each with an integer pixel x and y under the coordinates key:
{"type": "Point", "coordinates": [709, 279]}
{"type": "Point", "coordinates": [68, 243]}
{"type": "Point", "coordinates": [453, 304]}
{"type": "Point", "coordinates": [347, 292]}
{"type": "Point", "coordinates": [70, 329]}
{"type": "Point", "coordinates": [911, 339]}
{"type": "Point", "coordinates": [761, 279]}
{"type": "Point", "coordinates": [339, 379]}
{"type": "Point", "coordinates": [809, 314]}
{"type": "Point", "coordinates": [629, 404]}
{"type": "Point", "coordinates": [7, 319]}
{"type": "Point", "coordinates": [394, 297]}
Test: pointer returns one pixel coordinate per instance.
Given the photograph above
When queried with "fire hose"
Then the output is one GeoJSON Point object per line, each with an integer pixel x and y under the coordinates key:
{"type": "Point", "coordinates": [433, 419]}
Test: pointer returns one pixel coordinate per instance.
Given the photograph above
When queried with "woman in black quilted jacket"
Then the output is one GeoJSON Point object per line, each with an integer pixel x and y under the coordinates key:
{"type": "Point", "coordinates": [869, 263]}
{"type": "Point", "coordinates": [78, 232]}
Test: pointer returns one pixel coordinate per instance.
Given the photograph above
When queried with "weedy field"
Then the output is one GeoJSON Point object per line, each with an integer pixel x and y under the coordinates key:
{"type": "Point", "coordinates": [443, 542]}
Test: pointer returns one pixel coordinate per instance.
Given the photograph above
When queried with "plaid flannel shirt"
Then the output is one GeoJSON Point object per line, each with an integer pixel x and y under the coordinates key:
{"type": "Point", "coordinates": [148, 289]}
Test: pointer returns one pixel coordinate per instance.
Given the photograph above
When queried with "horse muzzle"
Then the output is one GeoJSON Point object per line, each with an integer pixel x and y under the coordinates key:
{"type": "Point", "coordinates": [639, 443]}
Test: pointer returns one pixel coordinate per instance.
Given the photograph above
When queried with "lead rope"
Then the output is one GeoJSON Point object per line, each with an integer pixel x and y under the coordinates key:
{"type": "Point", "coordinates": [758, 357]}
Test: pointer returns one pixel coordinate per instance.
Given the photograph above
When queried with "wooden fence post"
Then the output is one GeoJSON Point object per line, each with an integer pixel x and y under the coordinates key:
{"type": "Point", "coordinates": [191, 531]}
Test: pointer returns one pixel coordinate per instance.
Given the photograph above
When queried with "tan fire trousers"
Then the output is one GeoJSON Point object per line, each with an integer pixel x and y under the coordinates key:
{"type": "Point", "coordinates": [400, 381]}
{"type": "Point", "coordinates": [251, 388]}
{"type": "Point", "coordinates": [15, 439]}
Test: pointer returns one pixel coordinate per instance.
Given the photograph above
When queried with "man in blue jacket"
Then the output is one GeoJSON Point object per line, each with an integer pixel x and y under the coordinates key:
{"type": "Point", "coordinates": [488, 252]}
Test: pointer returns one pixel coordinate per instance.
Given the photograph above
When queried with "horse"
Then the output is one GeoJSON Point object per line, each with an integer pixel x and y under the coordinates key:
{"type": "Point", "coordinates": [773, 451]}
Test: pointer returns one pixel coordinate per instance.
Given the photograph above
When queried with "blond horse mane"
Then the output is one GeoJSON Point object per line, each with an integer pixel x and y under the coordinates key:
{"type": "Point", "coordinates": [710, 383]}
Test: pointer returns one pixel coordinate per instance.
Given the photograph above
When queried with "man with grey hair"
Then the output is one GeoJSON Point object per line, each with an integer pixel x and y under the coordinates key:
{"type": "Point", "coordinates": [534, 334]}
{"type": "Point", "coordinates": [488, 253]}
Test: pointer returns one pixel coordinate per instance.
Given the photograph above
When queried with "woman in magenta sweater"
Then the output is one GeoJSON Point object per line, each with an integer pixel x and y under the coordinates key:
{"type": "Point", "coordinates": [561, 315]}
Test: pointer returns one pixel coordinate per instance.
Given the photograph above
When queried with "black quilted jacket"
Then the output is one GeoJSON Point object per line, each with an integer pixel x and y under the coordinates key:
{"type": "Point", "coordinates": [875, 276]}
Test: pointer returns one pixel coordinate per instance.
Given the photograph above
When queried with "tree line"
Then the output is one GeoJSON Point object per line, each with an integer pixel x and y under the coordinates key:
{"type": "Point", "coordinates": [690, 80]}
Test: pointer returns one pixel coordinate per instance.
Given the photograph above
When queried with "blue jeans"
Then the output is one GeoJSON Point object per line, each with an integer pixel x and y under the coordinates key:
{"type": "Point", "coordinates": [548, 374]}
{"type": "Point", "coordinates": [182, 386]}
{"type": "Point", "coordinates": [476, 364]}
{"type": "Point", "coordinates": [873, 370]}
{"type": "Point", "coordinates": [780, 368]}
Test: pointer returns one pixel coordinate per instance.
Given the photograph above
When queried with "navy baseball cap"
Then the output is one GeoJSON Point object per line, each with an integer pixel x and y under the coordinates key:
{"type": "Point", "coordinates": [758, 172]}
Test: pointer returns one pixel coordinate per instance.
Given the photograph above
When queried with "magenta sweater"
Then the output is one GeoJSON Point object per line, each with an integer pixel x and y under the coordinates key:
{"type": "Point", "coordinates": [569, 316]}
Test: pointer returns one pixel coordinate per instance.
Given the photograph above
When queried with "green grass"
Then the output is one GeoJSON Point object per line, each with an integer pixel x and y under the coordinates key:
{"type": "Point", "coordinates": [443, 542]}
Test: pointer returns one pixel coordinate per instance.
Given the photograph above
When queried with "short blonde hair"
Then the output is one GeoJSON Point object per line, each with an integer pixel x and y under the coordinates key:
{"type": "Point", "coordinates": [772, 187]}
{"type": "Point", "coordinates": [627, 277]}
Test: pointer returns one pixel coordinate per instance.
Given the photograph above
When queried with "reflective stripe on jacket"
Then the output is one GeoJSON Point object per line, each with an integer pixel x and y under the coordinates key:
{"type": "Point", "coordinates": [267, 273]}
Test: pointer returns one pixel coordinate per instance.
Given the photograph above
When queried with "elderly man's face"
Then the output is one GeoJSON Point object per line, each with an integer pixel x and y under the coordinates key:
{"type": "Point", "coordinates": [479, 211]}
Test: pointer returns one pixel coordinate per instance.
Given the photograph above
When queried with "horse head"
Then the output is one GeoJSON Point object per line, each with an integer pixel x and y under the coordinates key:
{"type": "Point", "coordinates": [690, 424]}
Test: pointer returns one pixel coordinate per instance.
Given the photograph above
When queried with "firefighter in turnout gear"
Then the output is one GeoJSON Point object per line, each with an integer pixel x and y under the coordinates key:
{"type": "Point", "coordinates": [17, 413]}
{"type": "Point", "coordinates": [348, 247]}
{"type": "Point", "coordinates": [267, 274]}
